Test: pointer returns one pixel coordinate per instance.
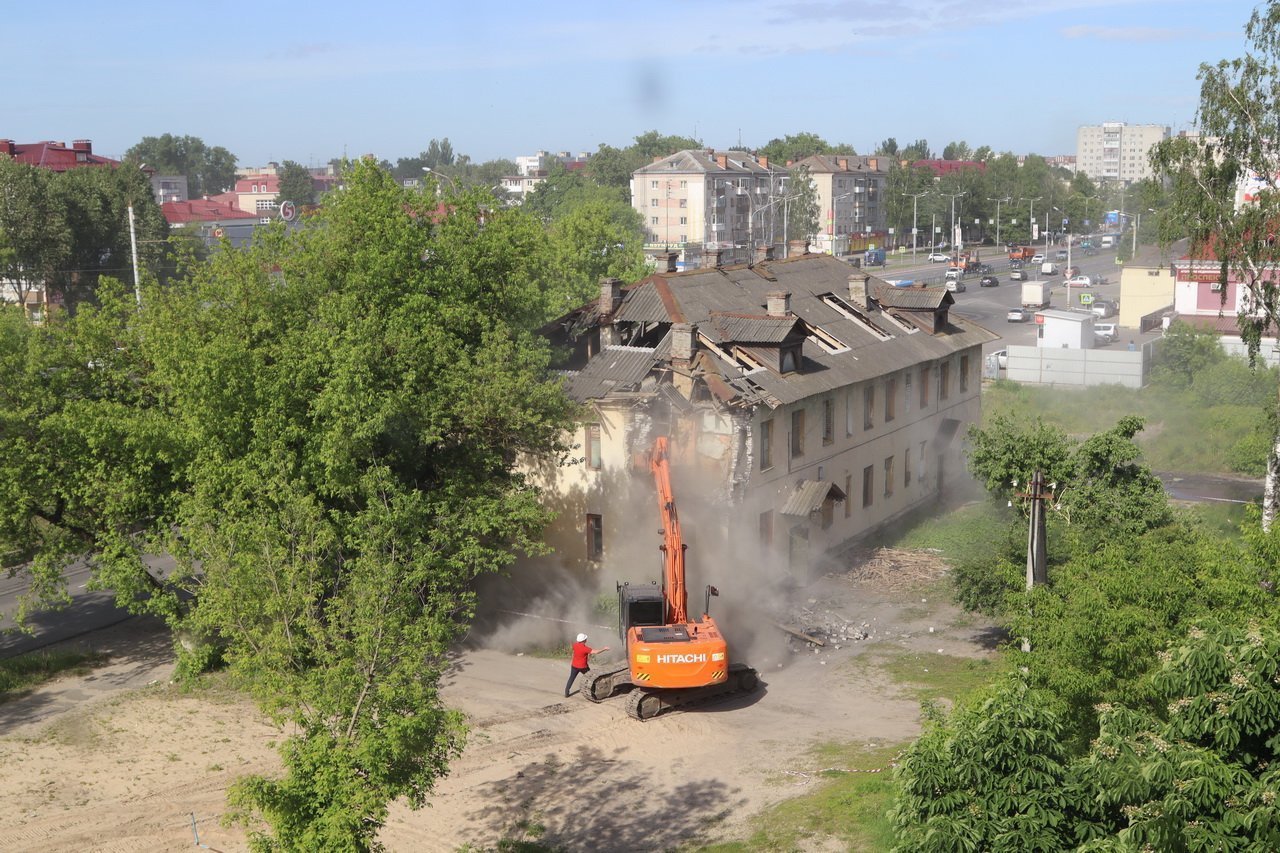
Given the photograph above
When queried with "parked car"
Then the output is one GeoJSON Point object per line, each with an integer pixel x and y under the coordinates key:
{"type": "Point", "coordinates": [1002, 359]}
{"type": "Point", "coordinates": [1061, 254]}
{"type": "Point", "coordinates": [989, 281]}
{"type": "Point", "coordinates": [1079, 281]}
{"type": "Point", "coordinates": [1019, 315]}
{"type": "Point", "coordinates": [1037, 258]}
{"type": "Point", "coordinates": [1103, 308]}
{"type": "Point", "coordinates": [938, 257]}
{"type": "Point", "coordinates": [954, 274]}
{"type": "Point", "coordinates": [1106, 333]}
{"type": "Point", "coordinates": [1019, 275]}
{"type": "Point", "coordinates": [955, 285]}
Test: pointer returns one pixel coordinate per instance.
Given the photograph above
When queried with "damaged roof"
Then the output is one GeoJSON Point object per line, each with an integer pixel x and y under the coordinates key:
{"type": "Point", "coordinates": [843, 343]}
{"type": "Point", "coordinates": [616, 368]}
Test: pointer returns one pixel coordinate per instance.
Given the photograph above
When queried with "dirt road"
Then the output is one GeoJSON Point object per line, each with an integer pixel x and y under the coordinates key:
{"type": "Point", "coordinates": [120, 760]}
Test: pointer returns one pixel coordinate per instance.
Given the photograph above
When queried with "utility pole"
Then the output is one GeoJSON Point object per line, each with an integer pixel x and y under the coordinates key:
{"type": "Point", "coordinates": [998, 201]}
{"type": "Point", "coordinates": [954, 196]}
{"type": "Point", "coordinates": [1037, 572]}
{"type": "Point", "coordinates": [1031, 219]}
{"type": "Point", "coordinates": [915, 200]}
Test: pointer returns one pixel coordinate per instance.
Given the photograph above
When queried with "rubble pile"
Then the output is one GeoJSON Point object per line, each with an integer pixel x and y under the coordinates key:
{"type": "Point", "coordinates": [896, 568]}
{"type": "Point", "coordinates": [831, 628]}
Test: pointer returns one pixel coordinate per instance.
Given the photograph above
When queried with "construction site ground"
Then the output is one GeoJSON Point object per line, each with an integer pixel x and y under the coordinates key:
{"type": "Point", "coordinates": [120, 759]}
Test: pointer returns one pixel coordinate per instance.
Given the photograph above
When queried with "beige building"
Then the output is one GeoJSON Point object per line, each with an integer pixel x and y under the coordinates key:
{"type": "Point", "coordinates": [808, 405]}
{"type": "Point", "coordinates": [1147, 286]}
{"type": "Point", "coordinates": [1115, 151]}
{"type": "Point", "coordinates": [695, 202]}
{"type": "Point", "coordinates": [851, 191]}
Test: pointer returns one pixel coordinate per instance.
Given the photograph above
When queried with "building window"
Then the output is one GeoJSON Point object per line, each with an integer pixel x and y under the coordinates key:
{"type": "Point", "coordinates": [888, 476]}
{"type": "Point", "coordinates": [797, 433]}
{"type": "Point", "coordinates": [766, 528]}
{"type": "Point", "coordinates": [944, 380]}
{"type": "Point", "coordinates": [684, 202]}
{"type": "Point", "coordinates": [684, 220]}
{"type": "Point", "coordinates": [653, 220]}
{"type": "Point", "coordinates": [868, 485]}
{"type": "Point", "coordinates": [828, 421]}
{"type": "Point", "coordinates": [766, 445]}
{"type": "Point", "coordinates": [653, 202]}
{"type": "Point", "coordinates": [684, 238]}
{"type": "Point", "coordinates": [593, 446]}
{"type": "Point", "coordinates": [868, 406]}
{"type": "Point", "coordinates": [964, 373]}
{"type": "Point", "coordinates": [906, 391]}
{"type": "Point", "coordinates": [890, 397]}
{"type": "Point", "coordinates": [848, 413]}
{"type": "Point", "coordinates": [924, 387]}
{"type": "Point", "coordinates": [906, 468]}
{"type": "Point", "coordinates": [923, 445]}
{"type": "Point", "coordinates": [653, 185]}
{"type": "Point", "coordinates": [848, 495]}
{"type": "Point", "coordinates": [595, 537]}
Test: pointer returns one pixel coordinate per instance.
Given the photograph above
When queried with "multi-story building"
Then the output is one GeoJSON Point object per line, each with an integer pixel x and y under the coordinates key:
{"type": "Point", "coordinates": [696, 202]}
{"type": "Point", "coordinates": [850, 191]}
{"type": "Point", "coordinates": [808, 405]}
{"type": "Point", "coordinates": [1115, 151]}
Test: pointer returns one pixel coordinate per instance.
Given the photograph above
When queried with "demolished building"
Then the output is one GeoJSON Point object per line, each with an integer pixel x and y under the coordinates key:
{"type": "Point", "coordinates": [820, 402]}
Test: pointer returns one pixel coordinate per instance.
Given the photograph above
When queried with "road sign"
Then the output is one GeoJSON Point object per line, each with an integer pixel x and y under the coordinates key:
{"type": "Point", "coordinates": [288, 212]}
{"type": "Point", "coordinates": [1086, 299]}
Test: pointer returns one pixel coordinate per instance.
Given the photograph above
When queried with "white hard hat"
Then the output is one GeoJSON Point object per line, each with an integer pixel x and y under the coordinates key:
{"type": "Point", "coordinates": [582, 638]}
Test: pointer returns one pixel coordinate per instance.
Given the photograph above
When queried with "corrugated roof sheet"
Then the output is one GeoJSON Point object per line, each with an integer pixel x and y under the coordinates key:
{"type": "Point", "coordinates": [753, 329]}
{"type": "Point", "coordinates": [912, 298]}
{"type": "Point", "coordinates": [615, 368]}
{"type": "Point", "coordinates": [809, 497]}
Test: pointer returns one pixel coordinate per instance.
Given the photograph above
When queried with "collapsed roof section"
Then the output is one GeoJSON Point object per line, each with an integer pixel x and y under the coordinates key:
{"type": "Point", "coordinates": [774, 332]}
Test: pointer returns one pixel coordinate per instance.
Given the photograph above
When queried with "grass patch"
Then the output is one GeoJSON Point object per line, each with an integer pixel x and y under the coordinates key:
{"type": "Point", "coordinates": [930, 676]}
{"type": "Point", "coordinates": [846, 809]}
{"type": "Point", "coordinates": [1222, 518]}
{"type": "Point", "coordinates": [24, 672]}
{"type": "Point", "coordinates": [966, 533]}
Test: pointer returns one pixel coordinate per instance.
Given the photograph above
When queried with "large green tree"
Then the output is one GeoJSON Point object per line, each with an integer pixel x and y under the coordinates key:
{"type": "Point", "coordinates": [322, 431]}
{"type": "Point", "coordinates": [1235, 155]}
{"type": "Point", "coordinates": [296, 184]}
{"type": "Point", "coordinates": [209, 170]}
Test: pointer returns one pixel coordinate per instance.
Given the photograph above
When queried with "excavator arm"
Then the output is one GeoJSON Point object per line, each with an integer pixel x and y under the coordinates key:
{"type": "Point", "coordinates": [672, 543]}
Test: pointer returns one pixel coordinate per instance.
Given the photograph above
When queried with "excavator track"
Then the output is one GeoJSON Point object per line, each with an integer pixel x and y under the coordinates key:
{"type": "Point", "coordinates": [606, 683]}
{"type": "Point", "coordinates": [645, 704]}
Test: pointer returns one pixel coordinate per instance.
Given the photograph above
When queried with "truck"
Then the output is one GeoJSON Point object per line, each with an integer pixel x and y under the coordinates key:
{"type": "Point", "coordinates": [873, 258]}
{"type": "Point", "coordinates": [672, 660]}
{"type": "Point", "coordinates": [1036, 294]}
{"type": "Point", "coordinates": [1021, 253]}
{"type": "Point", "coordinates": [965, 262]}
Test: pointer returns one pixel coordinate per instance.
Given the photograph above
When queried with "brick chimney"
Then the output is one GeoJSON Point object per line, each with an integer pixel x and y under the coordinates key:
{"type": "Point", "coordinates": [82, 145]}
{"type": "Point", "coordinates": [610, 294]}
{"type": "Point", "coordinates": [763, 253]}
{"type": "Point", "coordinates": [764, 162]}
{"type": "Point", "coordinates": [722, 160]}
{"type": "Point", "coordinates": [778, 303]}
{"type": "Point", "coordinates": [682, 342]}
{"type": "Point", "coordinates": [873, 163]}
{"type": "Point", "coordinates": [9, 147]}
{"type": "Point", "coordinates": [797, 247]}
{"type": "Point", "coordinates": [711, 260]}
{"type": "Point", "coordinates": [858, 288]}
{"type": "Point", "coordinates": [669, 261]}
{"type": "Point", "coordinates": [843, 162]}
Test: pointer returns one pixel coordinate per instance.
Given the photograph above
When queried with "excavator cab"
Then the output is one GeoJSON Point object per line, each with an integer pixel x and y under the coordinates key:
{"type": "Point", "coordinates": [639, 606]}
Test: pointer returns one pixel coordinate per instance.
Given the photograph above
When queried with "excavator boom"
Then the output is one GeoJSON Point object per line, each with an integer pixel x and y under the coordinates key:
{"type": "Point", "coordinates": [677, 597]}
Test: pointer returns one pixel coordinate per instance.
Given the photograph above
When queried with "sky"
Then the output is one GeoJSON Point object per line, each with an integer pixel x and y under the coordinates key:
{"type": "Point", "coordinates": [312, 81]}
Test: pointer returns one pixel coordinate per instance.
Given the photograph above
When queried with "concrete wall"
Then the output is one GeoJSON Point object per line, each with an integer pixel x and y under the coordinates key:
{"type": "Point", "coordinates": [1114, 365]}
{"type": "Point", "coordinates": [1144, 291]}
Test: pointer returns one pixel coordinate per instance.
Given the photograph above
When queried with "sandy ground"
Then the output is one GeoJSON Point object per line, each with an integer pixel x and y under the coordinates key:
{"type": "Point", "coordinates": [121, 760]}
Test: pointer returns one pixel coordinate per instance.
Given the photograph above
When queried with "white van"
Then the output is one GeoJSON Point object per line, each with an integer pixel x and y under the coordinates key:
{"type": "Point", "coordinates": [1108, 241]}
{"type": "Point", "coordinates": [1048, 268]}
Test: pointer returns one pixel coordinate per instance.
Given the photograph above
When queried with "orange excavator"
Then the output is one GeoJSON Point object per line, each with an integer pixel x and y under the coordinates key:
{"type": "Point", "coordinates": [671, 661]}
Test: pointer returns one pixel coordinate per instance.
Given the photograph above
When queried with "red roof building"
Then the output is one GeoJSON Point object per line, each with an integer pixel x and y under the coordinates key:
{"type": "Point", "coordinates": [179, 213]}
{"type": "Point", "coordinates": [947, 167]}
{"type": "Point", "coordinates": [55, 156]}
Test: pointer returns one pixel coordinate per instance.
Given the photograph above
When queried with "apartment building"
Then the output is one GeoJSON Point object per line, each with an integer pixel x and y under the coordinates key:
{"type": "Point", "coordinates": [808, 405]}
{"type": "Point", "coordinates": [698, 202]}
{"type": "Point", "coordinates": [851, 192]}
{"type": "Point", "coordinates": [1115, 151]}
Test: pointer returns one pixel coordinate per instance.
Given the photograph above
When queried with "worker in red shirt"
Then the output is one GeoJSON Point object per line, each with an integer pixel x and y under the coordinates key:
{"type": "Point", "coordinates": [581, 653]}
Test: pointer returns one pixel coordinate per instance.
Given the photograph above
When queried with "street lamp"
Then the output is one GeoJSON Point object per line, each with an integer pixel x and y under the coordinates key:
{"type": "Point", "coordinates": [448, 178]}
{"type": "Point", "coordinates": [1046, 230]}
{"type": "Point", "coordinates": [834, 217]}
{"type": "Point", "coordinates": [915, 199]}
{"type": "Point", "coordinates": [998, 201]}
{"type": "Point", "coordinates": [1137, 223]}
{"type": "Point", "coordinates": [954, 242]}
{"type": "Point", "coordinates": [1031, 216]}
